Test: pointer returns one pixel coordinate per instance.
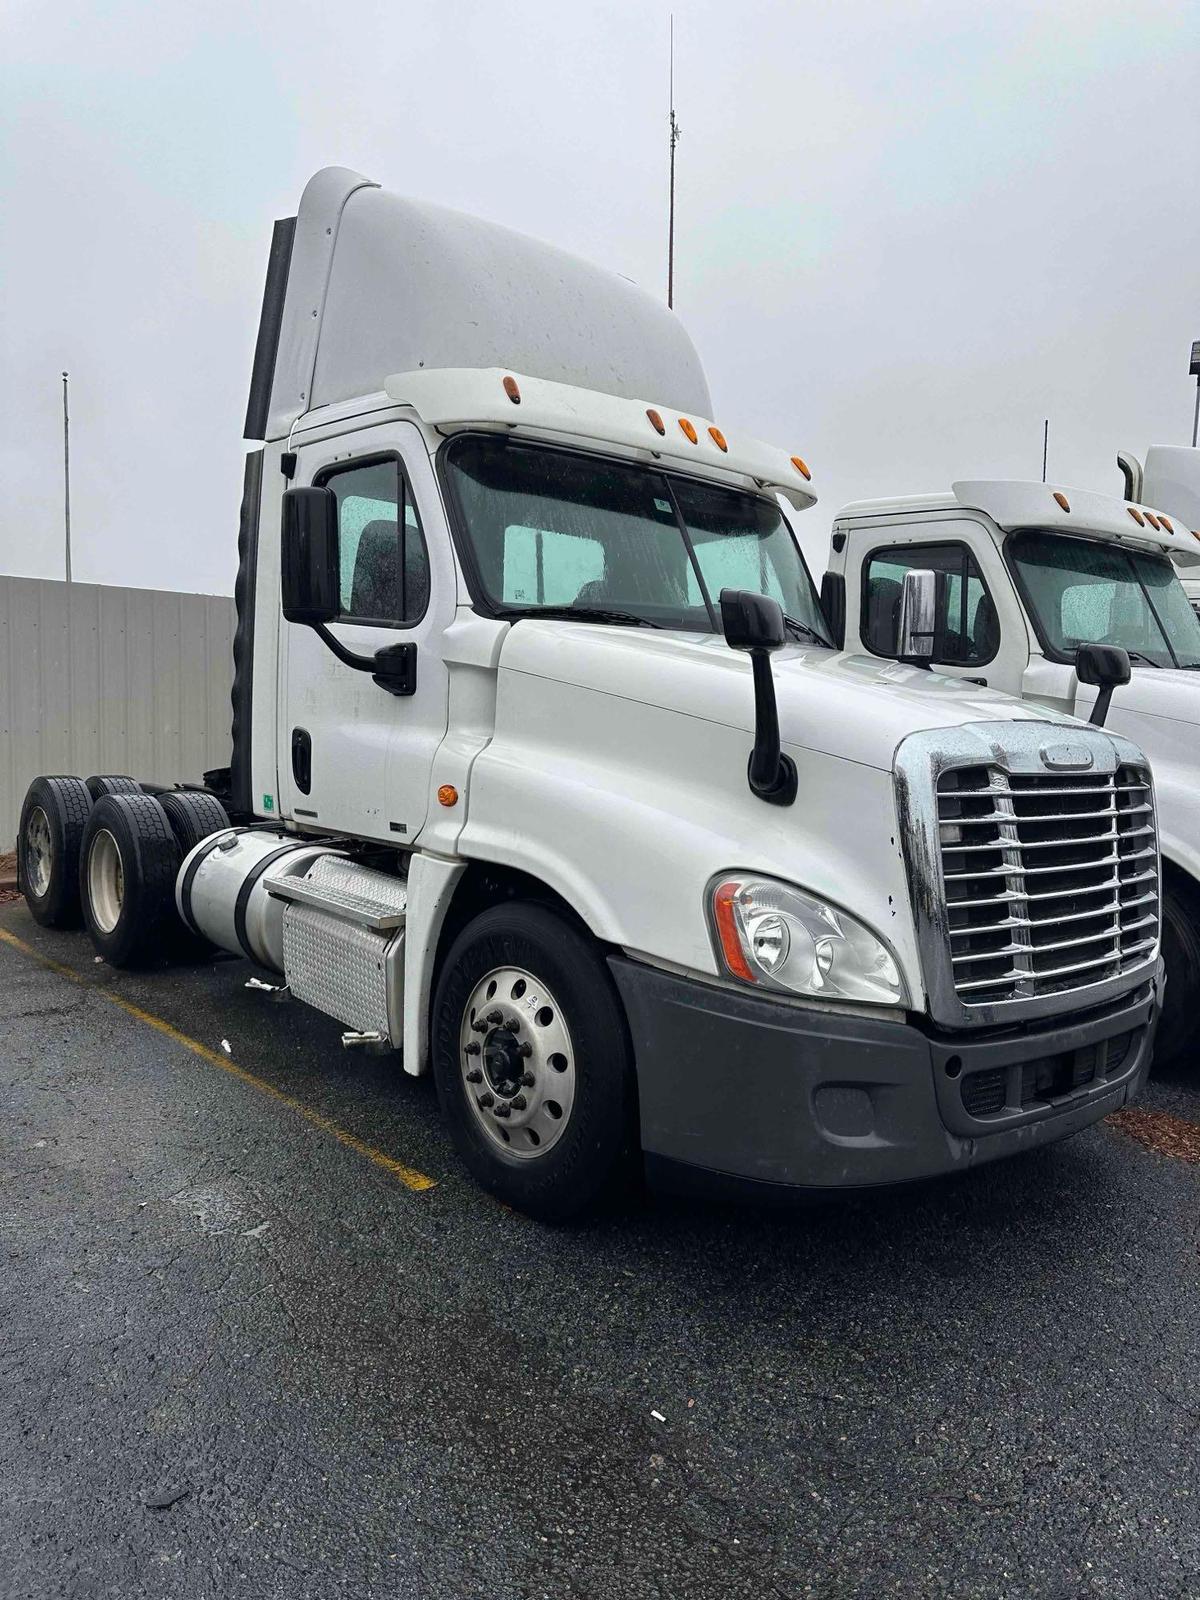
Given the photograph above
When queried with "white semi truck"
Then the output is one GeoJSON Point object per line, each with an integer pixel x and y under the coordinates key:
{"type": "Point", "coordinates": [1018, 578]}
{"type": "Point", "coordinates": [545, 772]}
{"type": "Point", "coordinates": [1170, 478]}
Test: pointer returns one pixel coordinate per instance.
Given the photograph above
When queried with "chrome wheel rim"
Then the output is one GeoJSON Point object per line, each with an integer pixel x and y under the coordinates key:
{"type": "Point", "coordinates": [105, 880]}
{"type": "Point", "coordinates": [518, 1063]}
{"type": "Point", "coordinates": [38, 852]}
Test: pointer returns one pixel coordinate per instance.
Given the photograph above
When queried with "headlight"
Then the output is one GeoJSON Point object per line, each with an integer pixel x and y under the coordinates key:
{"type": "Point", "coordinates": [770, 934]}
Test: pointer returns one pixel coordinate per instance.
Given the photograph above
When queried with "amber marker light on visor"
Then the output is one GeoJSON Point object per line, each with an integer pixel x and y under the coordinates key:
{"type": "Point", "coordinates": [801, 467]}
{"type": "Point", "coordinates": [1062, 500]}
{"type": "Point", "coordinates": [718, 438]}
{"type": "Point", "coordinates": [447, 795]}
{"type": "Point", "coordinates": [727, 932]}
{"type": "Point", "coordinates": [511, 390]}
{"type": "Point", "coordinates": [1136, 515]}
{"type": "Point", "coordinates": [1166, 522]}
{"type": "Point", "coordinates": [656, 422]}
{"type": "Point", "coordinates": [689, 431]}
{"type": "Point", "coordinates": [1152, 520]}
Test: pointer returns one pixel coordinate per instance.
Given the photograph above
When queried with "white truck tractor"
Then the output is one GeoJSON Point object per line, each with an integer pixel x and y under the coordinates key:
{"type": "Point", "coordinates": [1028, 588]}
{"type": "Point", "coordinates": [545, 772]}
{"type": "Point", "coordinates": [1170, 478]}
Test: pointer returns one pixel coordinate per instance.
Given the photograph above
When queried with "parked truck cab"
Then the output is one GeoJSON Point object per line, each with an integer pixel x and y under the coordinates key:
{"type": "Point", "coordinates": [1026, 574]}
{"type": "Point", "coordinates": [546, 771]}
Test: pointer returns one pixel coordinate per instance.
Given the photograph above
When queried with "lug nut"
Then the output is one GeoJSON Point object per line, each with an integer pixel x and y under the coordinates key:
{"type": "Point", "coordinates": [527, 1079]}
{"type": "Point", "coordinates": [518, 1102]}
{"type": "Point", "coordinates": [474, 1076]}
{"type": "Point", "coordinates": [479, 1025]}
{"type": "Point", "coordinates": [495, 1017]}
{"type": "Point", "coordinates": [502, 1110]}
{"type": "Point", "coordinates": [526, 1049]}
{"type": "Point", "coordinates": [486, 1100]}
{"type": "Point", "coordinates": [474, 1047]}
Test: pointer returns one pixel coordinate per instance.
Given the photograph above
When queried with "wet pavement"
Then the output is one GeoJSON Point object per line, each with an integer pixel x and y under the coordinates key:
{"type": "Point", "coordinates": [246, 1350]}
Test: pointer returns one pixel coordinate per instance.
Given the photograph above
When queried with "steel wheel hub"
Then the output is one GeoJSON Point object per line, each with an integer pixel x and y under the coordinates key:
{"type": "Point", "coordinates": [518, 1062]}
{"type": "Point", "coordinates": [38, 852]}
{"type": "Point", "coordinates": [106, 880]}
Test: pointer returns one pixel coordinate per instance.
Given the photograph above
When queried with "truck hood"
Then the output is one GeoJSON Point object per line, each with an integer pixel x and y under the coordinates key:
{"type": "Point", "coordinates": [1160, 692]}
{"type": "Point", "coordinates": [855, 707]}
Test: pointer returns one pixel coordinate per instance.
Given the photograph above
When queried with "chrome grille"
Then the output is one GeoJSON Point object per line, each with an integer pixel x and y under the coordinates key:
{"type": "Point", "coordinates": [1051, 881]}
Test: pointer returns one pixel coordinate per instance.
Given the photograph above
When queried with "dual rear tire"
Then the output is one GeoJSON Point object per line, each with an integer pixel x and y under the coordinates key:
{"type": "Point", "coordinates": [104, 853]}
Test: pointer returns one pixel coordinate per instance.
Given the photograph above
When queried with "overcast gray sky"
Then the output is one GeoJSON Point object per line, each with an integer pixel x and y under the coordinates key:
{"type": "Point", "coordinates": [906, 232]}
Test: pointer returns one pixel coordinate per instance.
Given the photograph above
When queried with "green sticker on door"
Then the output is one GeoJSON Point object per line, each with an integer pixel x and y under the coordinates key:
{"type": "Point", "coordinates": [268, 802]}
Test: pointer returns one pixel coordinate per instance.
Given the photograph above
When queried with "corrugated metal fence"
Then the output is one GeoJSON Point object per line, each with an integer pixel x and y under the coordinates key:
{"type": "Point", "coordinates": [98, 679]}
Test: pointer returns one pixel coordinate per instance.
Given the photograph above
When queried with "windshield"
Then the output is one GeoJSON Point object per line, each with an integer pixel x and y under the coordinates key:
{"type": "Point", "coordinates": [553, 530]}
{"type": "Point", "coordinates": [1082, 591]}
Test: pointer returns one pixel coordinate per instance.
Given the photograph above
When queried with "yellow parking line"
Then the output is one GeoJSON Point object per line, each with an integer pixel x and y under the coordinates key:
{"type": "Point", "coordinates": [406, 1175]}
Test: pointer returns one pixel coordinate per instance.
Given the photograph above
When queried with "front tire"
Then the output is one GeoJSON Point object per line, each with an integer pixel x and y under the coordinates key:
{"type": "Point", "coordinates": [532, 1062]}
{"type": "Point", "coordinates": [53, 817]}
{"type": "Point", "coordinates": [127, 866]}
{"type": "Point", "coordinates": [1176, 1042]}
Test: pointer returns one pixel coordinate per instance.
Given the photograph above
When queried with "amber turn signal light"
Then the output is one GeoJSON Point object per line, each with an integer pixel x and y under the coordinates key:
{"type": "Point", "coordinates": [718, 438]}
{"type": "Point", "coordinates": [1152, 520]}
{"type": "Point", "coordinates": [801, 467]}
{"type": "Point", "coordinates": [1062, 500]}
{"type": "Point", "coordinates": [447, 795]}
{"type": "Point", "coordinates": [1136, 515]}
{"type": "Point", "coordinates": [656, 422]}
{"type": "Point", "coordinates": [727, 932]}
{"type": "Point", "coordinates": [511, 390]}
{"type": "Point", "coordinates": [1166, 522]}
{"type": "Point", "coordinates": [689, 430]}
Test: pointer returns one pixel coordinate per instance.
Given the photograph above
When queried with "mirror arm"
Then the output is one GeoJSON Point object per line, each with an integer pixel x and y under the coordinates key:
{"type": "Point", "coordinates": [347, 657]}
{"type": "Point", "coordinates": [771, 774]}
{"type": "Point", "coordinates": [1100, 709]}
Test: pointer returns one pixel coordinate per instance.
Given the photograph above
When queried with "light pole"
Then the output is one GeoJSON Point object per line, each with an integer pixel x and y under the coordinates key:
{"type": "Point", "coordinates": [67, 471]}
{"type": "Point", "coordinates": [1194, 369]}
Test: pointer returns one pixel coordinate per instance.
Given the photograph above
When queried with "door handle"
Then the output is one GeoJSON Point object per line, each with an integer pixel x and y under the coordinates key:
{"type": "Point", "coordinates": [302, 759]}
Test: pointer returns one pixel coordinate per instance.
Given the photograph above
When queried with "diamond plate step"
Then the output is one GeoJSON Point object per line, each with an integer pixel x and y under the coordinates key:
{"type": "Point", "coordinates": [348, 892]}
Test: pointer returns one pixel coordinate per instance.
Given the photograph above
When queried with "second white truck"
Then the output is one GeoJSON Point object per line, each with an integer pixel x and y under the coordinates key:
{"type": "Point", "coordinates": [1020, 578]}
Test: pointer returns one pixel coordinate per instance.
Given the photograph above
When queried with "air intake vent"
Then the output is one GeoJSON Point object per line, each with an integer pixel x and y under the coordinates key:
{"type": "Point", "coordinates": [1051, 882]}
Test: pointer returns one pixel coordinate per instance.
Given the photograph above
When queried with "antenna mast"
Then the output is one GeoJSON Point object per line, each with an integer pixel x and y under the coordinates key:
{"type": "Point", "coordinates": [671, 210]}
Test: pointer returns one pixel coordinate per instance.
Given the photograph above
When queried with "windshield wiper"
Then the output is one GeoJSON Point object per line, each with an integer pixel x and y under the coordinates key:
{"type": "Point", "coordinates": [1136, 655]}
{"type": "Point", "coordinates": [806, 631]}
{"type": "Point", "coordinates": [629, 619]}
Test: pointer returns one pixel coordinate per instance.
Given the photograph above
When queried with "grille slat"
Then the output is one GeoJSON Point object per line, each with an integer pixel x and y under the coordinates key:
{"type": "Point", "coordinates": [1051, 883]}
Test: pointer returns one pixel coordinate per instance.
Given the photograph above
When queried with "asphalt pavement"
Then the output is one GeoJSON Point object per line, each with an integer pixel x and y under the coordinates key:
{"type": "Point", "coordinates": [260, 1336]}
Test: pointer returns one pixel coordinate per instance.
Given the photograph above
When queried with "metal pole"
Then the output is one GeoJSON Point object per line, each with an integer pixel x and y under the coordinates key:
{"type": "Point", "coordinates": [1196, 414]}
{"type": "Point", "coordinates": [1045, 446]}
{"type": "Point", "coordinates": [671, 209]}
{"type": "Point", "coordinates": [67, 472]}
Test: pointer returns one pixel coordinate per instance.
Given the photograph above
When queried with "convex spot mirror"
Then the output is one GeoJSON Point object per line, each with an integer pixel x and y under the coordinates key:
{"type": "Point", "coordinates": [310, 576]}
{"type": "Point", "coordinates": [1105, 667]}
{"type": "Point", "coordinates": [917, 632]}
{"type": "Point", "coordinates": [751, 621]}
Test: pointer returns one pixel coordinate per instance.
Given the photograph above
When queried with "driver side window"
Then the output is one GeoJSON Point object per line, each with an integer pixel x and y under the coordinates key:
{"type": "Point", "coordinates": [381, 547]}
{"type": "Point", "coordinates": [968, 628]}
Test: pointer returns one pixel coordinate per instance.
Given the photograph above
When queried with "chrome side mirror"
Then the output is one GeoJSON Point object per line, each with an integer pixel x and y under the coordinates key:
{"type": "Point", "coordinates": [917, 631]}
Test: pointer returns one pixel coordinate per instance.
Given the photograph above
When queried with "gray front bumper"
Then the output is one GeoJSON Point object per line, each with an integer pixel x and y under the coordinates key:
{"type": "Point", "coordinates": [756, 1090]}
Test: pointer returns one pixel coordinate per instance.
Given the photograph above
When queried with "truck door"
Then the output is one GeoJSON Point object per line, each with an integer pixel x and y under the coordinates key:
{"type": "Point", "coordinates": [353, 757]}
{"type": "Point", "coordinates": [981, 631]}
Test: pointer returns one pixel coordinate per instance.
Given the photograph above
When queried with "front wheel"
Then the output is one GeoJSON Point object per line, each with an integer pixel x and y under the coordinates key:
{"type": "Point", "coordinates": [1176, 1042]}
{"type": "Point", "coordinates": [532, 1062]}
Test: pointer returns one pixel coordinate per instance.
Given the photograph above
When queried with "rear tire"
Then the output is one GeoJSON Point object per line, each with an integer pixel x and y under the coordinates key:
{"type": "Point", "coordinates": [127, 866]}
{"type": "Point", "coordinates": [193, 816]}
{"type": "Point", "coordinates": [53, 817]}
{"type": "Point", "coordinates": [1176, 1043]}
{"type": "Point", "coordinates": [99, 787]}
{"type": "Point", "coordinates": [555, 1052]}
